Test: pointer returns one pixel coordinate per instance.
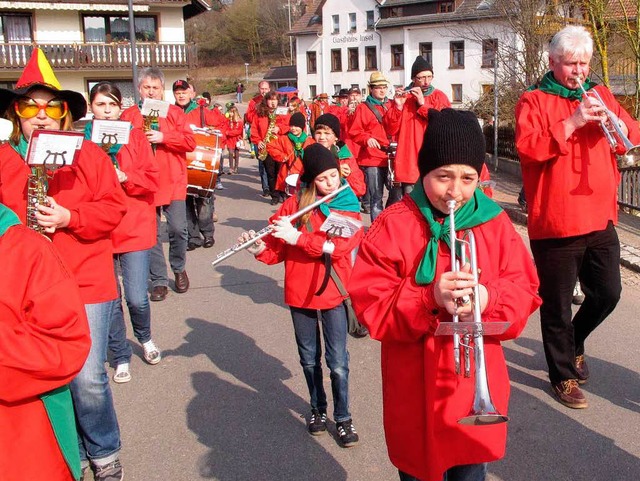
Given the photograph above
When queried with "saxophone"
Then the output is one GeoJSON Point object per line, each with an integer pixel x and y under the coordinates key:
{"type": "Point", "coordinates": [262, 153]}
{"type": "Point", "coordinates": [37, 185]}
{"type": "Point", "coordinates": [147, 124]}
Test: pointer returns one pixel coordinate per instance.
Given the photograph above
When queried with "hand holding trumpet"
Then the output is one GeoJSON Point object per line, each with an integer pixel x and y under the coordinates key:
{"type": "Point", "coordinates": [454, 290]}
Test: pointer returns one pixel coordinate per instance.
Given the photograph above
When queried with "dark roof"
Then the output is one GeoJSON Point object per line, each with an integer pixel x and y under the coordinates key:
{"type": "Point", "coordinates": [286, 72]}
{"type": "Point", "coordinates": [466, 10]}
{"type": "Point", "coordinates": [311, 22]}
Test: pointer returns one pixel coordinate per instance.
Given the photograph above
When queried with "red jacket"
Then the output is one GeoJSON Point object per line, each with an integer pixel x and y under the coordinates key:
{"type": "Point", "coordinates": [138, 230]}
{"type": "Point", "coordinates": [281, 150]}
{"type": "Point", "coordinates": [171, 153]}
{"type": "Point", "coordinates": [90, 190]}
{"type": "Point", "coordinates": [212, 118]}
{"type": "Point", "coordinates": [250, 114]}
{"type": "Point", "coordinates": [423, 397]}
{"type": "Point", "coordinates": [341, 113]}
{"type": "Point", "coordinates": [303, 263]}
{"type": "Point", "coordinates": [365, 125]}
{"type": "Point", "coordinates": [45, 342]}
{"type": "Point", "coordinates": [561, 176]}
{"type": "Point", "coordinates": [408, 126]}
{"type": "Point", "coordinates": [234, 132]}
{"type": "Point", "coordinates": [356, 177]}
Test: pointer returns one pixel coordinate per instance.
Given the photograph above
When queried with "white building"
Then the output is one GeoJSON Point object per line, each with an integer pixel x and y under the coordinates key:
{"type": "Point", "coordinates": [88, 41]}
{"type": "Point", "coordinates": [340, 42]}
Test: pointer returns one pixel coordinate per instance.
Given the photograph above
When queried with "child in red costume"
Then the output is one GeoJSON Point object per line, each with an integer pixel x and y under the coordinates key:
{"type": "Point", "coordinates": [310, 256]}
{"type": "Point", "coordinates": [402, 289]}
{"type": "Point", "coordinates": [45, 341]}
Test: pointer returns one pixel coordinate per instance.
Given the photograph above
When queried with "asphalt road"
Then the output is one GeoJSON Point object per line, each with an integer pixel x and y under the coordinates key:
{"type": "Point", "coordinates": [228, 400]}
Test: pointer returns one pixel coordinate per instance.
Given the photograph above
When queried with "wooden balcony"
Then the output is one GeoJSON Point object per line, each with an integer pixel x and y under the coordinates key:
{"type": "Point", "coordinates": [101, 56]}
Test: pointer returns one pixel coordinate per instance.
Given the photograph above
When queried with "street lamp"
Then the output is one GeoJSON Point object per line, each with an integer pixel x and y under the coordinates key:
{"type": "Point", "coordinates": [290, 38]}
{"type": "Point", "coordinates": [246, 73]}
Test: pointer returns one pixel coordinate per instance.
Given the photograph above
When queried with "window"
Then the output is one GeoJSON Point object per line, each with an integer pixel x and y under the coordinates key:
{"type": "Point", "coordinates": [312, 64]}
{"type": "Point", "coordinates": [397, 56]}
{"type": "Point", "coordinates": [456, 93]}
{"type": "Point", "coordinates": [446, 7]}
{"type": "Point", "coordinates": [15, 28]}
{"type": "Point", "coordinates": [111, 28]}
{"type": "Point", "coordinates": [313, 91]}
{"type": "Point", "coordinates": [335, 22]}
{"type": "Point", "coordinates": [457, 54]}
{"type": "Point", "coordinates": [426, 51]}
{"type": "Point", "coordinates": [489, 49]}
{"type": "Point", "coordinates": [353, 62]}
{"type": "Point", "coordinates": [370, 20]}
{"type": "Point", "coordinates": [336, 60]}
{"type": "Point", "coordinates": [336, 88]}
{"type": "Point", "coordinates": [352, 22]}
{"type": "Point", "coordinates": [370, 58]}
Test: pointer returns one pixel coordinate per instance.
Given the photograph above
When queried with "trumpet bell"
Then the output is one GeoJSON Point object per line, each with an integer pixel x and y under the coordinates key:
{"type": "Point", "coordinates": [631, 158]}
{"type": "Point", "coordinates": [484, 417]}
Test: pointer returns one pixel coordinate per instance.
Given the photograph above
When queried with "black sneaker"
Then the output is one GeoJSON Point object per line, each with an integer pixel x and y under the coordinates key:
{"type": "Point", "coordinates": [109, 472]}
{"type": "Point", "coordinates": [317, 422]}
{"type": "Point", "coordinates": [347, 433]}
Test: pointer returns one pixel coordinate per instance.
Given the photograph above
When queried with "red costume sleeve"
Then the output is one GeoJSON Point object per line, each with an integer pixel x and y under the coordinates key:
{"type": "Point", "coordinates": [178, 137]}
{"type": "Point", "coordinates": [140, 166]}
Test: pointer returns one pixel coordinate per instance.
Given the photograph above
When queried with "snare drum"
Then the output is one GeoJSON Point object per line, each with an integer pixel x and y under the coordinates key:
{"type": "Point", "coordinates": [203, 164]}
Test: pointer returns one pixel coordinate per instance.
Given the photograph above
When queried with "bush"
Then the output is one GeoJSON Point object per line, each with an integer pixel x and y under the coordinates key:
{"type": "Point", "coordinates": [221, 86]}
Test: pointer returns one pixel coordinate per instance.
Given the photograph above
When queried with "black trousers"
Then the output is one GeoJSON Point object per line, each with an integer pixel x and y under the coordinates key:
{"type": "Point", "coordinates": [595, 259]}
{"type": "Point", "coordinates": [272, 167]}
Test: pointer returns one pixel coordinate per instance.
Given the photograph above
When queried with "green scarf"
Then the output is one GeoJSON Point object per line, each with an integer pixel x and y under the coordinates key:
{"type": "Point", "coordinates": [373, 101]}
{"type": "Point", "coordinates": [550, 85]}
{"type": "Point", "coordinates": [57, 403]}
{"type": "Point", "coordinates": [21, 147]}
{"type": "Point", "coordinates": [191, 106]}
{"type": "Point", "coordinates": [59, 409]}
{"type": "Point", "coordinates": [7, 219]}
{"type": "Point", "coordinates": [113, 150]}
{"type": "Point", "coordinates": [341, 153]}
{"type": "Point", "coordinates": [478, 210]}
{"type": "Point", "coordinates": [345, 200]}
{"type": "Point", "coordinates": [298, 142]}
{"type": "Point", "coordinates": [428, 91]}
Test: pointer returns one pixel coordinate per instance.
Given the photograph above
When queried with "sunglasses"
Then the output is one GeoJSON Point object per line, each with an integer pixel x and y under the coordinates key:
{"type": "Point", "coordinates": [27, 108]}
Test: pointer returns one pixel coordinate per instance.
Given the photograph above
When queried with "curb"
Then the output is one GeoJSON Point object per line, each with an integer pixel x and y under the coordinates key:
{"type": "Point", "coordinates": [629, 255]}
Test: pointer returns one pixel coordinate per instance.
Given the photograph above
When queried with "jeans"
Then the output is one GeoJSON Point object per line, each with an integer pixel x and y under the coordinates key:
{"type": "Point", "coordinates": [239, 97]}
{"type": "Point", "coordinates": [376, 179]}
{"type": "Point", "coordinates": [176, 215]}
{"type": "Point", "coordinates": [98, 431]}
{"type": "Point", "coordinates": [466, 472]}
{"type": "Point", "coordinates": [595, 259]}
{"type": "Point", "coordinates": [334, 330]}
{"type": "Point", "coordinates": [261, 170]}
{"type": "Point", "coordinates": [135, 272]}
{"type": "Point", "coordinates": [200, 218]}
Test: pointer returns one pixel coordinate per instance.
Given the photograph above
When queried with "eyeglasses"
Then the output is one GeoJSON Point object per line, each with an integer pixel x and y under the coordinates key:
{"type": "Point", "coordinates": [27, 108]}
{"type": "Point", "coordinates": [424, 77]}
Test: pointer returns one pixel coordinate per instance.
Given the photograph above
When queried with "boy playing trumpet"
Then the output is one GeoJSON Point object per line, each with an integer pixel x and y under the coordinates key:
{"type": "Point", "coordinates": [402, 290]}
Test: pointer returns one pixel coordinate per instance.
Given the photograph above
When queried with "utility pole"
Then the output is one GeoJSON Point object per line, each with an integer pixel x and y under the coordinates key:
{"type": "Point", "coordinates": [134, 57]}
{"type": "Point", "coordinates": [246, 73]}
{"type": "Point", "coordinates": [290, 38]}
{"type": "Point", "coordinates": [495, 108]}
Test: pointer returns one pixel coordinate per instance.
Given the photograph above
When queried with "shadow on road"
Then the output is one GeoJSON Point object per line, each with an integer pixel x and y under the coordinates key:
{"type": "Point", "coordinates": [244, 415]}
{"type": "Point", "coordinates": [572, 449]}
{"type": "Point", "coordinates": [242, 282]}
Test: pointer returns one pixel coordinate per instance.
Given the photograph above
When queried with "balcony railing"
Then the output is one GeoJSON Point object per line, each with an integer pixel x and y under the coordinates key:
{"type": "Point", "coordinates": [101, 56]}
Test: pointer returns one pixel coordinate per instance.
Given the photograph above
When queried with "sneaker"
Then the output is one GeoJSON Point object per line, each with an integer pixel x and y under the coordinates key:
{"type": "Point", "coordinates": [219, 186]}
{"type": "Point", "coordinates": [578, 295]}
{"type": "Point", "coordinates": [568, 393]}
{"type": "Point", "coordinates": [122, 373]}
{"type": "Point", "coordinates": [317, 423]}
{"type": "Point", "coordinates": [265, 194]}
{"type": "Point", "coordinates": [215, 217]}
{"type": "Point", "coordinates": [151, 353]}
{"type": "Point", "coordinates": [109, 472]}
{"type": "Point", "coordinates": [582, 369]}
{"type": "Point", "coordinates": [347, 433]}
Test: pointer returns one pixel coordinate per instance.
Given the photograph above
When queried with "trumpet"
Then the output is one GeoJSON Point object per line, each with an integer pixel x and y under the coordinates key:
{"type": "Point", "coordinates": [632, 152]}
{"type": "Point", "coordinates": [470, 335]}
{"type": "Point", "coordinates": [267, 230]}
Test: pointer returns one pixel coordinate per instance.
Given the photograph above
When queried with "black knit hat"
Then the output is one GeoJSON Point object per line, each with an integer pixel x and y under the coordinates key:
{"type": "Point", "coordinates": [452, 137]}
{"type": "Point", "coordinates": [298, 120]}
{"type": "Point", "coordinates": [420, 65]}
{"type": "Point", "coordinates": [329, 120]}
{"type": "Point", "coordinates": [315, 161]}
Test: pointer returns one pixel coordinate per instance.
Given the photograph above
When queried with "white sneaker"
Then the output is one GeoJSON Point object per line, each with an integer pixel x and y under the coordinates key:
{"type": "Point", "coordinates": [151, 352]}
{"type": "Point", "coordinates": [122, 373]}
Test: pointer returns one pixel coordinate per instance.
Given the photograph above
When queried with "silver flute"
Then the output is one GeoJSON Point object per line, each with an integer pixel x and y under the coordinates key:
{"type": "Point", "coordinates": [267, 230]}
